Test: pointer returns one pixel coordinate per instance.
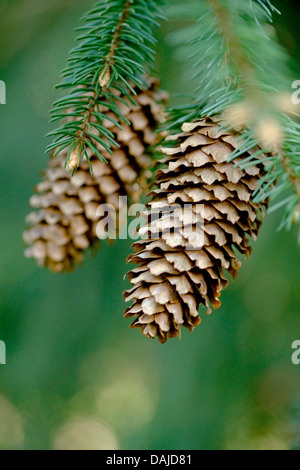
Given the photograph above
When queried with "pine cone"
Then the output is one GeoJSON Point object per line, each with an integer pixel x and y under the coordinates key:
{"type": "Point", "coordinates": [201, 211]}
{"type": "Point", "coordinates": [65, 221]}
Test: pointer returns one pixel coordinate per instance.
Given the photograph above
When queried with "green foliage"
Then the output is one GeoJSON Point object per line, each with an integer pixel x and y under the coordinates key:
{"type": "Point", "coordinates": [281, 181]}
{"type": "Point", "coordinates": [115, 40]}
{"type": "Point", "coordinates": [236, 58]}
{"type": "Point", "coordinates": [228, 44]}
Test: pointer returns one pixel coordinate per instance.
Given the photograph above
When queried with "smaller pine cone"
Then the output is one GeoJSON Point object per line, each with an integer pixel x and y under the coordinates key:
{"type": "Point", "coordinates": [182, 261]}
{"type": "Point", "coordinates": [65, 221]}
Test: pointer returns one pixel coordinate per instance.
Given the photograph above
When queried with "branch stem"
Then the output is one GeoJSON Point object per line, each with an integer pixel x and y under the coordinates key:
{"type": "Point", "coordinates": [118, 31]}
{"type": "Point", "coordinates": [82, 133]}
{"type": "Point", "coordinates": [247, 71]}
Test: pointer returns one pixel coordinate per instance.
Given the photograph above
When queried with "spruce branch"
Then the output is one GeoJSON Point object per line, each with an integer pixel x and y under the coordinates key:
{"type": "Point", "coordinates": [115, 53]}
{"type": "Point", "coordinates": [242, 73]}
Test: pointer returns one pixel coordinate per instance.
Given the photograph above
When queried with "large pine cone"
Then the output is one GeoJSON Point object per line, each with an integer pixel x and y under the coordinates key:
{"type": "Point", "coordinates": [181, 263]}
{"type": "Point", "coordinates": [65, 219]}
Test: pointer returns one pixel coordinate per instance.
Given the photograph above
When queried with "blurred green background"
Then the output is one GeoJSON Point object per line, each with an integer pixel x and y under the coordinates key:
{"type": "Point", "coordinates": [76, 376]}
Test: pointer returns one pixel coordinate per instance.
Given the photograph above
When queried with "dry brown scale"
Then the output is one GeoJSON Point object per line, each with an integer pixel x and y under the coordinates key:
{"type": "Point", "coordinates": [176, 275]}
{"type": "Point", "coordinates": [64, 222]}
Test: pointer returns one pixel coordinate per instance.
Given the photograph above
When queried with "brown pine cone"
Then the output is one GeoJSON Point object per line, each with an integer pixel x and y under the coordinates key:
{"type": "Point", "coordinates": [201, 211]}
{"type": "Point", "coordinates": [65, 219]}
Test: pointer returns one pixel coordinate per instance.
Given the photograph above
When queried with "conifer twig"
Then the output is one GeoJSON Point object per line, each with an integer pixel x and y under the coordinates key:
{"type": "Point", "coordinates": [240, 66]}
{"type": "Point", "coordinates": [115, 52]}
{"type": "Point", "coordinates": [247, 71]}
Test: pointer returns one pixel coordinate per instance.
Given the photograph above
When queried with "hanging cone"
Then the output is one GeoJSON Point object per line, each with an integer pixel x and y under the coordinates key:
{"type": "Point", "coordinates": [201, 211]}
{"type": "Point", "coordinates": [67, 217]}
